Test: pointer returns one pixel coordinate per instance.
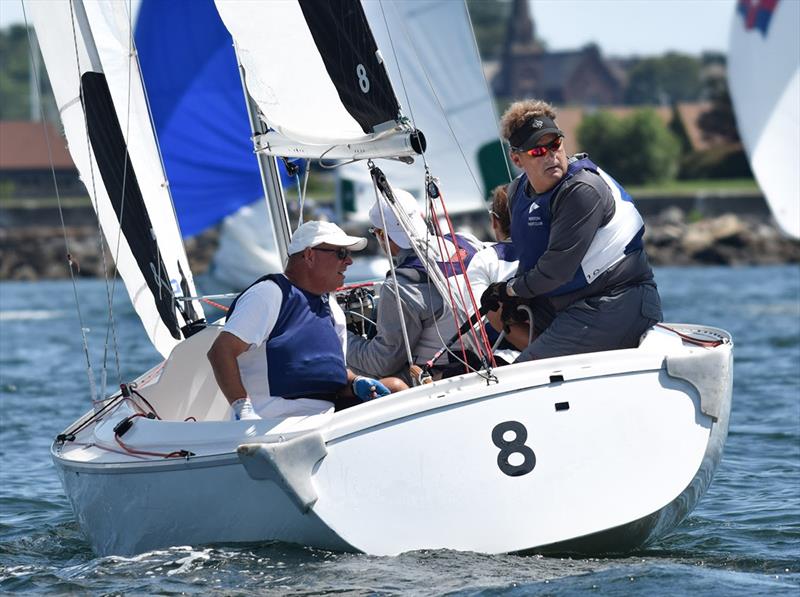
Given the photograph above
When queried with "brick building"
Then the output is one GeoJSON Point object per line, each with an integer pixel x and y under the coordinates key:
{"type": "Point", "coordinates": [25, 161]}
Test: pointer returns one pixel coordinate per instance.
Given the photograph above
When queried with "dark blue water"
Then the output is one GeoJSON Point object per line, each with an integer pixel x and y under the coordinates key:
{"type": "Point", "coordinates": [743, 539]}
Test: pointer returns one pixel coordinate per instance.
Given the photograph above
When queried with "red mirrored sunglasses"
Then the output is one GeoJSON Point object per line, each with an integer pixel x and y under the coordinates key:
{"type": "Point", "coordinates": [540, 150]}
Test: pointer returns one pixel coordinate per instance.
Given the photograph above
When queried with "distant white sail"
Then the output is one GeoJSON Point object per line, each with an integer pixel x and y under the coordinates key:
{"type": "Point", "coordinates": [86, 49]}
{"type": "Point", "coordinates": [433, 63]}
{"type": "Point", "coordinates": [764, 80]}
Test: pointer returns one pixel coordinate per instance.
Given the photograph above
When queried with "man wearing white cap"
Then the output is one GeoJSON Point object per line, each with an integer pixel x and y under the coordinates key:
{"type": "Point", "coordinates": [427, 318]}
{"type": "Point", "coordinates": [282, 350]}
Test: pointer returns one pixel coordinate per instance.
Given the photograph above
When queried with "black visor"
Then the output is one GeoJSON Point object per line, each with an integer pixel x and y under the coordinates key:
{"type": "Point", "coordinates": [528, 135]}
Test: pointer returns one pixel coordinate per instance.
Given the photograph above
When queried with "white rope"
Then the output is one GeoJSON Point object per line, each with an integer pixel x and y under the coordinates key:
{"type": "Point", "coordinates": [388, 250]}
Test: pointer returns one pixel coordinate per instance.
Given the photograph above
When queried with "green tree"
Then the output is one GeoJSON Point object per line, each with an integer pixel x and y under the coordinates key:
{"type": "Point", "coordinates": [15, 65]}
{"type": "Point", "coordinates": [14, 74]}
{"type": "Point", "coordinates": [635, 150]}
{"type": "Point", "coordinates": [667, 79]}
{"type": "Point", "coordinates": [719, 121]}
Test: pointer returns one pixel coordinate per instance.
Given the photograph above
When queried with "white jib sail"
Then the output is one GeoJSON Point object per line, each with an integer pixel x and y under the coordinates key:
{"type": "Point", "coordinates": [764, 80]}
{"type": "Point", "coordinates": [93, 37]}
{"type": "Point", "coordinates": [433, 63]}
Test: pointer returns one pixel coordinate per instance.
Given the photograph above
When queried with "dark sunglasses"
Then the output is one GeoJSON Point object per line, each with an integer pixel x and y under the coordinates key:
{"type": "Point", "coordinates": [373, 231]}
{"type": "Point", "coordinates": [342, 252]}
{"type": "Point", "coordinates": [540, 150]}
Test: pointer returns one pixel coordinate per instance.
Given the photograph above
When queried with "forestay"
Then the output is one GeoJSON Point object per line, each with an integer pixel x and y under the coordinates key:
{"type": "Point", "coordinates": [100, 97]}
{"type": "Point", "coordinates": [333, 97]}
{"type": "Point", "coordinates": [434, 65]}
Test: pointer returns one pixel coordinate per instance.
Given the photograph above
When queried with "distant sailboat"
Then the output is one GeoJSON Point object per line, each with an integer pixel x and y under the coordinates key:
{"type": "Point", "coordinates": [764, 80]}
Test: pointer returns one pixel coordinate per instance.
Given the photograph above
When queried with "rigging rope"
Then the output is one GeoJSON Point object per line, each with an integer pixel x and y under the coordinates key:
{"type": "Point", "coordinates": [403, 329]}
{"type": "Point", "coordinates": [83, 328]}
{"type": "Point", "coordinates": [481, 344]}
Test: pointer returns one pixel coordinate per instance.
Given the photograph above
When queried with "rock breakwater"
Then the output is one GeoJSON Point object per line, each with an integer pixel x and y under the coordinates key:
{"type": "Point", "coordinates": [34, 252]}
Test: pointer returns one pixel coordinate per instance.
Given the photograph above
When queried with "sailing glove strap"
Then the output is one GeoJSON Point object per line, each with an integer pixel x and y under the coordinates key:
{"type": "Point", "coordinates": [367, 388]}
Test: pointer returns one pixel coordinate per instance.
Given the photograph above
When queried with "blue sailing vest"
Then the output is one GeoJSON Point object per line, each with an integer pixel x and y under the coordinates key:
{"type": "Point", "coordinates": [448, 268]}
{"type": "Point", "coordinates": [506, 251]}
{"type": "Point", "coordinates": [531, 218]}
{"type": "Point", "coordinates": [304, 352]}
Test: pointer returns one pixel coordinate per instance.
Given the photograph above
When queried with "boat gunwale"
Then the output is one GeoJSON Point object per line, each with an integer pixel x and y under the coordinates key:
{"type": "Point", "coordinates": [418, 401]}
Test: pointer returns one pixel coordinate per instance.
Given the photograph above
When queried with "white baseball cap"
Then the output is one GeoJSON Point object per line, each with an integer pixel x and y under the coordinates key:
{"type": "Point", "coordinates": [316, 233]}
{"type": "Point", "coordinates": [393, 229]}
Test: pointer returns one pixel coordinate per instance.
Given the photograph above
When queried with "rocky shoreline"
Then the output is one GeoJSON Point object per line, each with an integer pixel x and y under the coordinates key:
{"type": "Point", "coordinates": [37, 252]}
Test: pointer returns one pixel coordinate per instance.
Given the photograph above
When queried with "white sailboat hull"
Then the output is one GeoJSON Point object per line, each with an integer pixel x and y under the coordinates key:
{"type": "Point", "coordinates": [619, 448]}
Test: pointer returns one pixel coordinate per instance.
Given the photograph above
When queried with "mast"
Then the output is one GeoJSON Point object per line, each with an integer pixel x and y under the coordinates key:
{"type": "Point", "coordinates": [270, 177]}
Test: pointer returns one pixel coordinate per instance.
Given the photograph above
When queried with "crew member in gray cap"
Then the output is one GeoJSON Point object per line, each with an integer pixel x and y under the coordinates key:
{"type": "Point", "coordinates": [579, 240]}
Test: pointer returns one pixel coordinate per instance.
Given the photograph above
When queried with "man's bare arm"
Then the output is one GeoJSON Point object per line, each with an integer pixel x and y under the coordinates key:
{"type": "Point", "coordinates": [222, 356]}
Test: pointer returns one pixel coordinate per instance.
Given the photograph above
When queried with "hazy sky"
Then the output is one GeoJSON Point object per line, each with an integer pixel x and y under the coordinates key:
{"type": "Point", "coordinates": [619, 27]}
{"type": "Point", "coordinates": [624, 27]}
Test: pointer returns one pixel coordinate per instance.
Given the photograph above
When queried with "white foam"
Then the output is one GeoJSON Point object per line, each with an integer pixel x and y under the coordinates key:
{"type": "Point", "coordinates": [29, 315]}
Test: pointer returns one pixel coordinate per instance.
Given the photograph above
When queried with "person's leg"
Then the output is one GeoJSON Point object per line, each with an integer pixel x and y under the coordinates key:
{"type": "Point", "coordinates": [598, 323]}
{"type": "Point", "coordinates": [394, 384]}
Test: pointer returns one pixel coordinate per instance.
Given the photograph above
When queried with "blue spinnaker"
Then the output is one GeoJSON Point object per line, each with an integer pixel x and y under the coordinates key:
{"type": "Point", "coordinates": [192, 81]}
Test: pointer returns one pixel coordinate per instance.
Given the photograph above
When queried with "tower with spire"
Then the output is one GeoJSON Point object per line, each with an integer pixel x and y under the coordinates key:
{"type": "Point", "coordinates": [528, 70]}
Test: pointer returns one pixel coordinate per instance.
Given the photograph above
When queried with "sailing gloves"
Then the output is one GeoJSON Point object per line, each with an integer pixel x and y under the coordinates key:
{"type": "Point", "coordinates": [495, 295]}
{"type": "Point", "coordinates": [367, 388]}
{"type": "Point", "coordinates": [243, 408]}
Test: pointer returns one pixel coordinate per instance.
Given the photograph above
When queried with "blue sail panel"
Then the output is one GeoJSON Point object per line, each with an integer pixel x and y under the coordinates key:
{"type": "Point", "coordinates": [192, 81]}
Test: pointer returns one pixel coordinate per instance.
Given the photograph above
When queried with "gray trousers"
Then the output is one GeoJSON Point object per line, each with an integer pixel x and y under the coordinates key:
{"type": "Point", "coordinates": [598, 323]}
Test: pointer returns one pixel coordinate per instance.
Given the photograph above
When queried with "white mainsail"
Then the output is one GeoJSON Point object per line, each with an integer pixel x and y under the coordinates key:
{"type": "Point", "coordinates": [87, 51]}
{"type": "Point", "coordinates": [433, 62]}
{"type": "Point", "coordinates": [764, 80]}
{"type": "Point", "coordinates": [319, 97]}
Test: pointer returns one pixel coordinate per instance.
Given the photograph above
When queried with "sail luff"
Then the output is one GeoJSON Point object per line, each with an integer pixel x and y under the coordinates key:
{"type": "Point", "coordinates": [148, 254]}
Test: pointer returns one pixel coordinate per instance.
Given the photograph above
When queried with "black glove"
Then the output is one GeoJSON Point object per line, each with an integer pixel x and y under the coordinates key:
{"type": "Point", "coordinates": [512, 313]}
{"type": "Point", "coordinates": [494, 296]}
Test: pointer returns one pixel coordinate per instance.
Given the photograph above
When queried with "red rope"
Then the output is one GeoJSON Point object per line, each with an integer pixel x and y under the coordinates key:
{"type": "Point", "coordinates": [213, 304]}
{"type": "Point", "coordinates": [481, 344]}
{"type": "Point", "coordinates": [691, 339]}
{"type": "Point", "coordinates": [176, 454]}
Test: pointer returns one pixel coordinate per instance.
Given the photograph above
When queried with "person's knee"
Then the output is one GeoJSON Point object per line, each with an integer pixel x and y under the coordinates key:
{"type": "Point", "coordinates": [394, 384]}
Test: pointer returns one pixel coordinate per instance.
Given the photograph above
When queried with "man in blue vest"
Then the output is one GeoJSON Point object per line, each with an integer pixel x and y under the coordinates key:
{"type": "Point", "coordinates": [427, 318]}
{"type": "Point", "coordinates": [282, 350]}
{"type": "Point", "coordinates": [579, 240]}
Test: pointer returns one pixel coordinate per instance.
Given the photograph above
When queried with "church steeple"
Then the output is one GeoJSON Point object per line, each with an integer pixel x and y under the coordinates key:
{"type": "Point", "coordinates": [518, 48]}
{"type": "Point", "coordinates": [520, 31]}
